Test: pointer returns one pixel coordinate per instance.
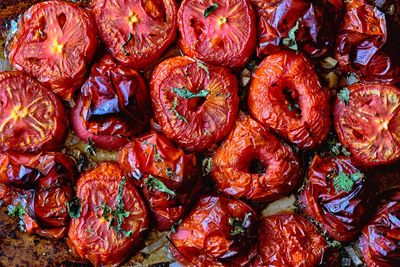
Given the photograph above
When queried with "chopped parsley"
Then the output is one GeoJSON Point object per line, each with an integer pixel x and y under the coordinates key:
{"type": "Point", "coordinates": [337, 148]}
{"type": "Point", "coordinates": [186, 94]}
{"type": "Point", "coordinates": [153, 183]}
{"type": "Point", "coordinates": [345, 182]}
{"type": "Point", "coordinates": [290, 41]}
{"type": "Point", "coordinates": [344, 95]}
{"type": "Point", "coordinates": [130, 36]}
{"type": "Point", "coordinates": [74, 208]}
{"type": "Point", "coordinates": [210, 9]}
{"type": "Point", "coordinates": [176, 113]}
{"type": "Point", "coordinates": [239, 226]}
{"type": "Point", "coordinates": [90, 148]}
{"type": "Point", "coordinates": [16, 211]}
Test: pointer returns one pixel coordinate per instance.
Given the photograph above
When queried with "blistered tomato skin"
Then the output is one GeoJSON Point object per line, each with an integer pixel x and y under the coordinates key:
{"type": "Point", "coordinates": [96, 235]}
{"type": "Point", "coordinates": [253, 164]}
{"type": "Point", "coordinates": [286, 95]}
{"type": "Point", "coordinates": [196, 105]}
{"type": "Point", "coordinates": [32, 118]}
{"type": "Point", "coordinates": [55, 42]}
{"type": "Point", "coordinates": [224, 37]}
{"type": "Point", "coordinates": [136, 33]}
{"type": "Point", "coordinates": [113, 105]}
{"type": "Point", "coordinates": [218, 232]}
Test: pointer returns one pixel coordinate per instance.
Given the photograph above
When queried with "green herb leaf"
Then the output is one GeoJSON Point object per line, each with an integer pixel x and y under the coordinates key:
{"type": "Point", "coordinates": [16, 211]}
{"type": "Point", "coordinates": [176, 113]}
{"type": "Point", "coordinates": [130, 36]}
{"type": "Point", "coordinates": [153, 183]}
{"type": "Point", "coordinates": [186, 94]}
{"type": "Point", "coordinates": [345, 182]}
{"type": "Point", "coordinates": [90, 148]}
{"type": "Point", "coordinates": [337, 148]}
{"type": "Point", "coordinates": [203, 66]}
{"type": "Point", "coordinates": [290, 41]}
{"type": "Point", "coordinates": [239, 226]}
{"type": "Point", "coordinates": [207, 165]}
{"type": "Point", "coordinates": [74, 208]}
{"type": "Point", "coordinates": [344, 95]}
{"type": "Point", "coordinates": [210, 9]}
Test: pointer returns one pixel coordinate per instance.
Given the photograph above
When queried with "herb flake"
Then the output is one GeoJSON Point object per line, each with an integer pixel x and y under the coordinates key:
{"type": "Point", "coordinates": [210, 9]}
{"type": "Point", "coordinates": [290, 41]}
{"type": "Point", "coordinates": [344, 95]}
{"type": "Point", "coordinates": [74, 208]}
{"type": "Point", "coordinates": [153, 183]}
{"type": "Point", "coordinates": [176, 113]}
{"type": "Point", "coordinates": [239, 226]}
{"type": "Point", "coordinates": [202, 65]}
{"type": "Point", "coordinates": [345, 182]}
{"type": "Point", "coordinates": [186, 94]}
{"type": "Point", "coordinates": [16, 211]}
{"type": "Point", "coordinates": [90, 148]}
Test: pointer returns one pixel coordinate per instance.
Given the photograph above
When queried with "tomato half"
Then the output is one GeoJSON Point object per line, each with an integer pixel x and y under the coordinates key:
{"type": "Point", "coordinates": [196, 105]}
{"type": "Point", "coordinates": [286, 95]}
{"type": "Point", "coordinates": [136, 32]}
{"type": "Point", "coordinates": [218, 32]}
{"type": "Point", "coordinates": [113, 105]}
{"type": "Point", "coordinates": [253, 164]}
{"type": "Point", "coordinates": [55, 42]}
{"type": "Point", "coordinates": [32, 118]}
{"type": "Point", "coordinates": [218, 232]}
{"type": "Point", "coordinates": [113, 218]}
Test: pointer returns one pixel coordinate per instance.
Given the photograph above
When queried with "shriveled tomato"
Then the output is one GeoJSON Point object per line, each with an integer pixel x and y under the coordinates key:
{"type": "Point", "coordinates": [218, 32]}
{"type": "Point", "coordinates": [113, 218]}
{"type": "Point", "coordinates": [289, 240]}
{"type": "Point", "coordinates": [55, 42]}
{"type": "Point", "coordinates": [253, 164]}
{"type": "Point", "coordinates": [218, 232]}
{"type": "Point", "coordinates": [32, 118]}
{"type": "Point", "coordinates": [136, 32]}
{"type": "Point", "coordinates": [368, 123]}
{"type": "Point", "coordinates": [113, 105]}
{"type": "Point", "coordinates": [286, 95]}
{"type": "Point", "coordinates": [195, 104]}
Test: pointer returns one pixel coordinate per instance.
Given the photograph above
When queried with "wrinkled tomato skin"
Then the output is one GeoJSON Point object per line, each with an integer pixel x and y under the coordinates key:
{"type": "Point", "coordinates": [226, 37]}
{"type": "Point", "coordinates": [42, 184]}
{"type": "Point", "coordinates": [247, 143]}
{"type": "Point", "coordinates": [90, 235]}
{"type": "Point", "coordinates": [54, 43]}
{"type": "Point", "coordinates": [113, 105]}
{"type": "Point", "coordinates": [155, 155]}
{"type": "Point", "coordinates": [289, 240]}
{"type": "Point", "coordinates": [204, 236]}
{"type": "Point", "coordinates": [269, 104]}
{"type": "Point", "coordinates": [341, 214]}
{"type": "Point", "coordinates": [136, 33]}
{"type": "Point", "coordinates": [206, 122]}
{"type": "Point", "coordinates": [369, 125]}
{"type": "Point", "coordinates": [32, 118]}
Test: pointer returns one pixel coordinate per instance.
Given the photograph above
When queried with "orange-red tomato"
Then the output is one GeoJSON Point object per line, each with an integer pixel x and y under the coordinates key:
{"type": "Point", "coordinates": [32, 118]}
{"type": "Point", "coordinates": [55, 42]}
{"type": "Point", "coordinates": [253, 164]}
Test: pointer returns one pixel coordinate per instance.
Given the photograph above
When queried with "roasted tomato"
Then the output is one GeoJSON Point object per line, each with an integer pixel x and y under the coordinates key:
{"type": "Point", "coordinates": [218, 32]}
{"type": "Point", "coordinates": [54, 43]}
{"type": "Point", "coordinates": [218, 232]}
{"type": "Point", "coordinates": [196, 105]}
{"type": "Point", "coordinates": [32, 118]}
{"type": "Point", "coordinates": [167, 176]}
{"type": "Point", "coordinates": [289, 240]}
{"type": "Point", "coordinates": [286, 95]}
{"type": "Point", "coordinates": [367, 120]}
{"type": "Point", "coordinates": [136, 32]}
{"type": "Point", "coordinates": [253, 164]}
{"type": "Point", "coordinates": [113, 106]}
{"type": "Point", "coordinates": [380, 239]}
{"type": "Point", "coordinates": [336, 196]}
{"type": "Point", "coordinates": [113, 217]}
{"type": "Point", "coordinates": [37, 188]}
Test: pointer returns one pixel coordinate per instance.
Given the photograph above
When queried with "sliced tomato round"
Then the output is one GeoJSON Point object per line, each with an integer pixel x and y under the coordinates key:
{"type": "Point", "coordinates": [218, 32]}
{"type": "Point", "coordinates": [195, 104]}
{"type": "Point", "coordinates": [136, 32]}
{"type": "Point", "coordinates": [286, 95]}
{"type": "Point", "coordinates": [55, 42]}
{"type": "Point", "coordinates": [113, 217]}
{"type": "Point", "coordinates": [32, 118]}
{"type": "Point", "coordinates": [253, 164]}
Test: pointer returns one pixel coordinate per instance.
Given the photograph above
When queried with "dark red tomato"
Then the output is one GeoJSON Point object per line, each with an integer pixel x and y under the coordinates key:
{"type": "Point", "coordinates": [136, 32]}
{"type": "Point", "coordinates": [253, 164]}
{"type": "Point", "coordinates": [369, 123]}
{"type": "Point", "coordinates": [336, 196]}
{"type": "Point", "coordinates": [113, 106]}
{"type": "Point", "coordinates": [286, 95]}
{"type": "Point", "coordinates": [54, 43]}
{"type": "Point", "coordinates": [196, 105]}
{"type": "Point", "coordinates": [167, 176]}
{"type": "Point", "coordinates": [218, 32]}
{"type": "Point", "coordinates": [32, 118]}
{"type": "Point", "coordinates": [289, 240]}
{"type": "Point", "coordinates": [218, 232]}
{"type": "Point", "coordinates": [42, 185]}
{"type": "Point", "coordinates": [113, 218]}
{"type": "Point", "coordinates": [380, 239]}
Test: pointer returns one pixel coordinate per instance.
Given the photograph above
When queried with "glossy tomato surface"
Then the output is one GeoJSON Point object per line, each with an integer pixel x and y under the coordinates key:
{"type": "Point", "coordinates": [136, 32]}
{"type": "Point", "coordinates": [113, 217]}
{"type": "Point", "coordinates": [218, 232]}
{"type": "Point", "coordinates": [253, 164]}
{"type": "Point", "coordinates": [32, 118]}
{"type": "Point", "coordinates": [218, 32]}
{"type": "Point", "coordinates": [113, 105]}
{"type": "Point", "coordinates": [286, 95]}
{"type": "Point", "coordinates": [54, 43]}
{"type": "Point", "coordinates": [196, 105]}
